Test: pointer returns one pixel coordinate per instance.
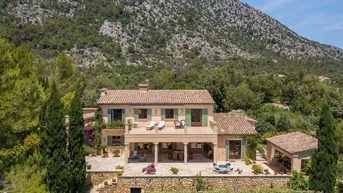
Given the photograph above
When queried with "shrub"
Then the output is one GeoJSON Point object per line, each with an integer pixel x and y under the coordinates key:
{"type": "Point", "coordinates": [119, 167]}
{"type": "Point", "coordinates": [116, 124]}
{"type": "Point", "coordinates": [120, 173]}
{"type": "Point", "coordinates": [297, 181]}
{"type": "Point", "coordinates": [106, 182]}
{"type": "Point", "coordinates": [340, 186]}
{"type": "Point", "coordinates": [150, 169]}
{"type": "Point", "coordinates": [257, 169]}
{"type": "Point", "coordinates": [116, 151]}
{"type": "Point", "coordinates": [262, 151]}
{"type": "Point", "coordinates": [200, 182]}
{"type": "Point", "coordinates": [104, 148]}
{"type": "Point", "coordinates": [88, 150]}
{"type": "Point", "coordinates": [174, 170]}
{"type": "Point", "coordinates": [247, 160]}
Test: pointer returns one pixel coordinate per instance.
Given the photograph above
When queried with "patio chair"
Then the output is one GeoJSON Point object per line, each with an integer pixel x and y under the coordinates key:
{"type": "Point", "coordinates": [183, 123]}
{"type": "Point", "coordinates": [161, 125]}
{"type": "Point", "coordinates": [177, 124]}
{"type": "Point", "coordinates": [142, 158]}
{"type": "Point", "coordinates": [151, 125]}
{"type": "Point", "coordinates": [134, 155]}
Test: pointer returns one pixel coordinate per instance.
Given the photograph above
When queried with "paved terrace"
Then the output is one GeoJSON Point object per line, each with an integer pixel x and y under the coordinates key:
{"type": "Point", "coordinates": [163, 169]}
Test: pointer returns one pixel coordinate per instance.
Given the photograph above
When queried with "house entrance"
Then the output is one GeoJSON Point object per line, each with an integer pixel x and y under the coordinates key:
{"type": "Point", "coordinates": [196, 117]}
{"type": "Point", "coordinates": [235, 147]}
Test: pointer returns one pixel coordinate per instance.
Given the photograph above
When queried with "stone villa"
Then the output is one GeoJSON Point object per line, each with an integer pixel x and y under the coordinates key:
{"type": "Point", "coordinates": [172, 125]}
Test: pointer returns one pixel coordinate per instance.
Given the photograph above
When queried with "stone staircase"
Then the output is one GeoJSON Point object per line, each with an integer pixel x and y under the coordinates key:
{"type": "Point", "coordinates": [259, 157]}
{"type": "Point", "coordinates": [102, 187]}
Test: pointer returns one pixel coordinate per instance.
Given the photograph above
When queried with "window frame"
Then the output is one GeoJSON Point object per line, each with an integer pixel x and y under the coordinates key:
{"type": "Point", "coordinates": [143, 110]}
{"type": "Point", "coordinates": [116, 141]}
{"type": "Point", "coordinates": [170, 114]}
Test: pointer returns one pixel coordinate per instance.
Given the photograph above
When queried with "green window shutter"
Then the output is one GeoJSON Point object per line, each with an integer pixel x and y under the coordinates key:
{"type": "Point", "coordinates": [122, 140]}
{"type": "Point", "coordinates": [204, 118]}
{"type": "Point", "coordinates": [109, 116]}
{"type": "Point", "coordinates": [136, 146]}
{"type": "Point", "coordinates": [163, 114]}
{"type": "Point", "coordinates": [149, 114]}
{"type": "Point", "coordinates": [176, 114]}
{"type": "Point", "coordinates": [135, 114]}
{"type": "Point", "coordinates": [123, 115]}
{"type": "Point", "coordinates": [243, 149]}
{"type": "Point", "coordinates": [188, 117]}
{"type": "Point", "coordinates": [227, 149]}
{"type": "Point", "coordinates": [109, 140]}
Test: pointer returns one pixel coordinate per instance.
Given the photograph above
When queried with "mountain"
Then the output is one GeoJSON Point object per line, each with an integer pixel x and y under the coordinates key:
{"type": "Point", "coordinates": [174, 32]}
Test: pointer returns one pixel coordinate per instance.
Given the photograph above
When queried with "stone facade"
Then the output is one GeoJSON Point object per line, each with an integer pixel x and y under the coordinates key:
{"type": "Point", "coordinates": [178, 183]}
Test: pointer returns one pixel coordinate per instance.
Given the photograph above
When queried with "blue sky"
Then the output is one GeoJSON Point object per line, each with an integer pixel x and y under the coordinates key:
{"type": "Point", "coordinates": [318, 20]}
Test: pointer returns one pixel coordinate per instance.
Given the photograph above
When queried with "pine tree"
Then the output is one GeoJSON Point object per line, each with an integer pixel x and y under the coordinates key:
{"type": "Point", "coordinates": [54, 143]}
{"type": "Point", "coordinates": [324, 159]}
{"type": "Point", "coordinates": [76, 151]}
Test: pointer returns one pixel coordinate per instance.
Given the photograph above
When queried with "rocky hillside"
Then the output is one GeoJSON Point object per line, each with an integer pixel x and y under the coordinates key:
{"type": "Point", "coordinates": [158, 31]}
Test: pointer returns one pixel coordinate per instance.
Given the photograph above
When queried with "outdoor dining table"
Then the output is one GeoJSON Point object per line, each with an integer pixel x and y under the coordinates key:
{"type": "Point", "coordinates": [177, 155]}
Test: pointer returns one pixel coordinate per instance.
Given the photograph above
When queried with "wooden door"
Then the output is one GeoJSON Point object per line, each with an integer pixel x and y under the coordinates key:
{"type": "Point", "coordinates": [196, 115]}
{"type": "Point", "coordinates": [235, 149]}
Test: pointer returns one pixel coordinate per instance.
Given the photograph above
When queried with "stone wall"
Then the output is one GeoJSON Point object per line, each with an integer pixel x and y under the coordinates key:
{"type": "Point", "coordinates": [178, 183]}
{"type": "Point", "coordinates": [95, 178]}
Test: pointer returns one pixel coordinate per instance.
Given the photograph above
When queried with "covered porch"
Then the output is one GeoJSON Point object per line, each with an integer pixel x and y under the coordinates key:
{"type": "Point", "coordinates": [290, 152]}
{"type": "Point", "coordinates": [168, 152]}
{"type": "Point", "coordinates": [171, 147]}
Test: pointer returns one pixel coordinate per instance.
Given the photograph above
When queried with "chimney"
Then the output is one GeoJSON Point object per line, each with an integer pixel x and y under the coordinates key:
{"type": "Point", "coordinates": [103, 91]}
{"type": "Point", "coordinates": [143, 87]}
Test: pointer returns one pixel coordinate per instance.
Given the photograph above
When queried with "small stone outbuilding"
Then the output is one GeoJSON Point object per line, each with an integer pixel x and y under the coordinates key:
{"type": "Point", "coordinates": [296, 147]}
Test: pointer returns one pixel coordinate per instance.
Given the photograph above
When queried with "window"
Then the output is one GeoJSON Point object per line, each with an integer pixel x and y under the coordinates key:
{"type": "Point", "coordinates": [169, 113]}
{"type": "Point", "coordinates": [116, 115]}
{"type": "Point", "coordinates": [143, 113]}
{"type": "Point", "coordinates": [115, 140]}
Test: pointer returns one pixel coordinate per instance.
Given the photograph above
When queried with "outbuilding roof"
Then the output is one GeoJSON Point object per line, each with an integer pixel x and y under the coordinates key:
{"type": "Point", "coordinates": [295, 142]}
{"type": "Point", "coordinates": [234, 124]}
{"type": "Point", "coordinates": [136, 97]}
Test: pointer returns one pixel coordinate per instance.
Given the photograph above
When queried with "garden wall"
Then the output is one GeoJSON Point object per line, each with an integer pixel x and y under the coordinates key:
{"type": "Point", "coordinates": [178, 183]}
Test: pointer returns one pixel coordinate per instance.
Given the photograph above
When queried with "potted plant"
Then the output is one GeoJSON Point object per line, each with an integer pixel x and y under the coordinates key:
{"type": "Point", "coordinates": [104, 151]}
{"type": "Point", "coordinates": [174, 170]}
{"type": "Point", "coordinates": [150, 169]}
{"type": "Point", "coordinates": [119, 167]}
{"type": "Point", "coordinates": [116, 152]}
{"type": "Point", "coordinates": [89, 166]}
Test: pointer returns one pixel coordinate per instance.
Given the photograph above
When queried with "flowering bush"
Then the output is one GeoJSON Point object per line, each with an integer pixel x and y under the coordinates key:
{"type": "Point", "coordinates": [150, 169]}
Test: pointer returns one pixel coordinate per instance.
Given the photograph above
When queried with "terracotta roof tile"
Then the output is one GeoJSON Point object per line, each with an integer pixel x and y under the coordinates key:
{"type": "Point", "coordinates": [234, 124]}
{"type": "Point", "coordinates": [295, 142]}
{"type": "Point", "coordinates": [156, 97]}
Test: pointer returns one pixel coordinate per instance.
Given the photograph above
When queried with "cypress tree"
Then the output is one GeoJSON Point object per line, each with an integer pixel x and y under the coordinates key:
{"type": "Point", "coordinates": [76, 151]}
{"type": "Point", "coordinates": [54, 143]}
{"type": "Point", "coordinates": [324, 159]}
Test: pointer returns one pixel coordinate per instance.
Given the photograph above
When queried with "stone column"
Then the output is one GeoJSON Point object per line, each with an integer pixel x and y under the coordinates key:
{"type": "Point", "coordinates": [185, 149]}
{"type": "Point", "coordinates": [127, 153]}
{"type": "Point", "coordinates": [214, 153]}
{"type": "Point", "coordinates": [156, 152]}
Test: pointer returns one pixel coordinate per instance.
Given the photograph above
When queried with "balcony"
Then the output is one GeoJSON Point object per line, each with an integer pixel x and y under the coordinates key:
{"type": "Point", "coordinates": [172, 134]}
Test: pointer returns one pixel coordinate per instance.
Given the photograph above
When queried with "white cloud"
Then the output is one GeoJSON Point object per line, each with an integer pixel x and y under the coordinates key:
{"type": "Point", "coordinates": [272, 4]}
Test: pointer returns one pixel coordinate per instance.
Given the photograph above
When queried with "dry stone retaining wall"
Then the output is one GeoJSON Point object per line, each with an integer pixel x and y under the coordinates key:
{"type": "Point", "coordinates": [178, 183]}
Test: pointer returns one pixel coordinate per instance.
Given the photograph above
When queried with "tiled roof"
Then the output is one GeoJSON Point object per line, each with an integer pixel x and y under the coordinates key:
{"type": "Point", "coordinates": [234, 124]}
{"type": "Point", "coordinates": [156, 97]}
{"type": "Point", "coordinates": [295, 142]}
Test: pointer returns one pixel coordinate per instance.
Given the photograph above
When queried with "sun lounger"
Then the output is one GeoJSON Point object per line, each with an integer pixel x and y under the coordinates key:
{"type": "Point", "coordinates": [151, 125]}
{"type": "Point", "coordinates": [177, 124]}
{"type": "Point", "coordinates": [161, 125]}
{"type": "Point", "coordinates": [183, 123]}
